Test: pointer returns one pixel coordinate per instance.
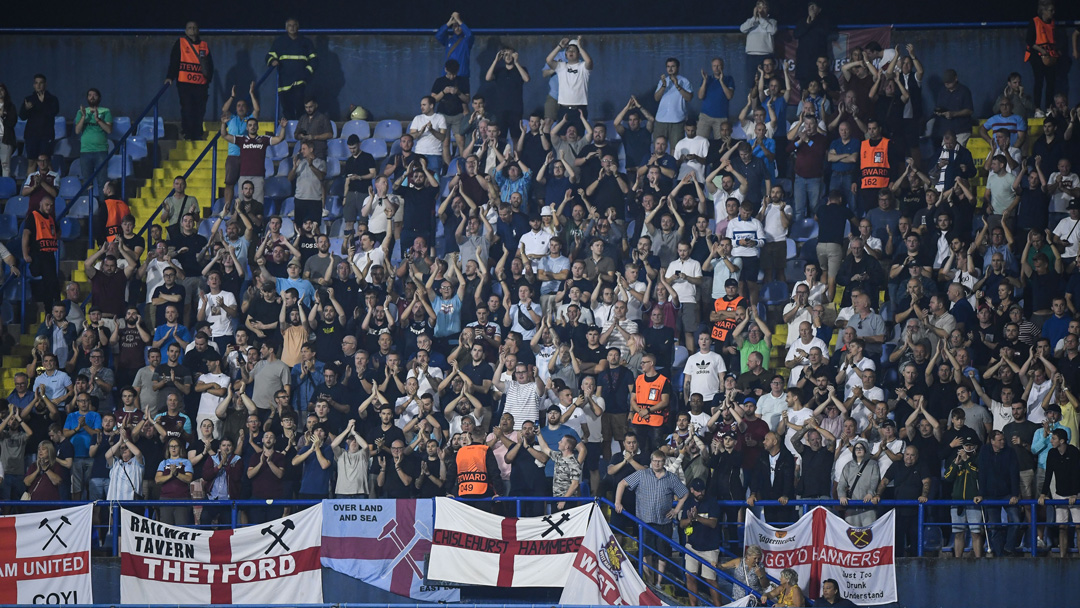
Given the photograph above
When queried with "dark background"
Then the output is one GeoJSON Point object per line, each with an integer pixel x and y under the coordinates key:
{"type": "Point", "coordinates": [509, 14]}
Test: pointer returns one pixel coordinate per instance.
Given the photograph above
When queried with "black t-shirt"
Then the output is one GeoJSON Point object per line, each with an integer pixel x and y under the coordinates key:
{"type": "Point", "coordinates": [163, 290]}
{"type": "Point", "coordinates": [526, 477]}
{"type": "Point", "coordinates": [328, 340]}
{"type": "Point", "coordinates": [306, 245]}
{"type": "Point", "coordinates": [359, 165]}
{"type": "Point", "coordinates": [833, 223]}
{"type": "Point", "coordinates": [193, 243]}
{"type": "Point", "coordinates": [908, 480]}
{"type": "Point", "coordinates": [449, 105]}
{"type": "Point", "coordinates": [508, 89]}
{"type": "Point", "coordinates": [661, 342]}
{"type": "Point", "coordinates": [532, 152]}
{"type": "Point", "coordinates": [262, 311]}
{"type": "Point", "coordinates": [419, 208]}
{"type": "Point", "coordinates": [929, 451]}
{"type": "Point", "coordinates": [392, 485]}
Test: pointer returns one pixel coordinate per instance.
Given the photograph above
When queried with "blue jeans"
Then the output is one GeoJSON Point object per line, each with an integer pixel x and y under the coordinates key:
{"type": "Point", "coordinates": [88, 161]}
{"type": "Point", "coordinates": [843, 183]}
{"type": "Point", "coordinates": [807, 196]}
{"type": "Point", "coordinates": [434, 163]}
{"type": "Point", "coordinates": [1004, 538]}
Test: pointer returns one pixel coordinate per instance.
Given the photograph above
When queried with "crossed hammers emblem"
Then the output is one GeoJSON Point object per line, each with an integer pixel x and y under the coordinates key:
{"type": "Point", "coordinates": [55, 531]}
{"type": "Point", "coordinates": [555, 525]}
{"type": "Point", "coordinates": [420, 531]}
{"type": "Point", "coordinates": [278, 538]}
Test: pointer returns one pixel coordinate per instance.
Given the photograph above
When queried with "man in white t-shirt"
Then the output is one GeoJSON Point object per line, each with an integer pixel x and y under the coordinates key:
{"type": "Point", "coordinates": [797, 312]}
{"type": "Point", "coordinates": [428, 130]}
{"type": "Point", "coordinates": [1066, 234]}
{"type": "Point", "coordinates": [684, 275]}
{"type": "Point", "coordinates": [704, 370]}
{"type": "Point", "coordinates": [773, 403]}
{"type": "Point", "coordinates": [1063, 186]}
{"type": "Point", "coordinates": [573, 76]}
{"type": "Point", "coordinates": [534, 244]}
{"type": "Point", "coordinates": [863, 398]}
{"type": "Point", "coordinates": [798, 351]}
{"type": "Point", "coordinates": [218, 309]}
{"type": "Point", "coordinates": [775, 217]}
{"type": "Point", "coordinates": [212, 386]}
{"type": "Point", "coordinates": [691, 152]}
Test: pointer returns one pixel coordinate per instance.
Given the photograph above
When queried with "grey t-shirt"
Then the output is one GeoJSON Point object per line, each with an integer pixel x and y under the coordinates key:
{"type": "Point", "coordinates": [268, 378]}
{"type": "Point", "coordinates": [977, 417]}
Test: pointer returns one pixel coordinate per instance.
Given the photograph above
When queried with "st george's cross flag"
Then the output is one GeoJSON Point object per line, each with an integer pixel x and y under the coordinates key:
{"type": "Point", "coordinates": [471, 547]}
{"type": "Point", "coordinates": [383, 543]}
{"type": "Point", "coordinates": [45, 557]}
{"type": "Point", "coordinates": [272, 563]}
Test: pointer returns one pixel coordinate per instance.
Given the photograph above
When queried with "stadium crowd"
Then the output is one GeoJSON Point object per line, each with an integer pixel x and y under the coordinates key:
{"type": "Point", "coordinates": [758, 290]}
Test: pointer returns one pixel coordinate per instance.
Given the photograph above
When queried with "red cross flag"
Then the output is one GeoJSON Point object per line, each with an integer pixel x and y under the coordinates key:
{"type": "Point", "coordinates": [602, 574]}
{"type": "Point", "coordinates": [272, 563]}
{"type": "Point", "coordinates": [45, 557]}
{"type": "Point", "coordinates": [472, 547]}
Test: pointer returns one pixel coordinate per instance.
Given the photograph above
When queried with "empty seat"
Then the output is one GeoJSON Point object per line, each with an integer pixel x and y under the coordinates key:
{"type": "Point", "coordinates": [80, 208]}
{"type": "Point", "coordinates": [19, 168]}
{"type": "Point", "coordinates": [358, 128]}
{"type": "Point", "coordinates": [59, 207]}
{"type": "Point", "coordinates": [375, 147]}
{"type": "Point", "coordinates": [66, 148]}
{"type": "Point", "coordinates": [120, 167]}
{"type": "Point", "coordinates": [137, 148]}
{"type": "Point", "coordinates": [277, 151]}
{"type": "Point", "coordinates": [337, 186]}
{"type": "Point", "coordinates": [388, 129]}
{"type": "Point", "coordinates": [804, 230]}
{"type": "Point", "coordinates": [20, 129]}
{"type": "Point", "coordinates": [9, 226]}
{"type": "Point", "coordinates": [120, 126]}
{"type": "Point", "coordinates": [18, 206]}
{"type": "Point", "coordinates": [775, 293]}
{"type": "Point", "coordinates": [277, 187]}
{"type": "Point", "coordinates": [333, 168]}
{"type": "Point", "coordinates": [69, 187]}
{"type": "Point", "coordinates": [288, 206]}
{"type": "Point", "coordinates": [146, 128]}
{"type": "Point", "coordinates": [794, 269]}
{"type": "Point", "coordinates": [217, 206]}
{"type": "Point", "coordinates": [287, 229]}
{"type": "Point", "coordinates": [336, 148]}
{"type": "Point", "coordinates": [333, 208]}
{"type": "Point", "coordinates": [809, 251]}
{"type": "Point", "coordinates": [290, 131]}
{"type": "Point", "coordinates": [70, 229]}
{"type": "Point", "coordinates": [7, 187]}
{"type": "Point", "coordinates": [268, 168]}
{"type": "Point", "coordinates": [59, 127]}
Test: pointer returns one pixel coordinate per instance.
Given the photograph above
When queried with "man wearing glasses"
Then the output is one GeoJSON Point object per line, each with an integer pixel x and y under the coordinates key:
{"type": "Point", "coordinates": [81, 427]}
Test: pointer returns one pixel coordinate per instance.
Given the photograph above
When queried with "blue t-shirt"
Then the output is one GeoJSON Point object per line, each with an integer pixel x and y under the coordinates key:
{"type": "Point", "coordinates": [833, 223]}
{"type": "Point", "coordinates": [447, 317]}
{"type": "Point", "coordinates": [702, 537]}
{"type": "Point", "coordinates": [838, 146]}
{"type": "Point", "coordinates": [237, 127]}
{"type": "Point", "coordinates": [181, 332]}
{"type": "Point", "coordinates": [716, 104]}
{"type": "Point", "coordinates": [1013, 123]}
{"type": "Point", "coordinates": [81, 441]}
{"type": "Point", "coordinates": [316, 480]}
{"type": "Point", "coordinates": [552, 437]}
{"type": "Point", "coordinates": [302, 286]}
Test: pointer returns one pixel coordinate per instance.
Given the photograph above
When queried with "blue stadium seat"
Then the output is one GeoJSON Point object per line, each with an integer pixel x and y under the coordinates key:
{"type": "Point", "coordinates": [388, 130]}
{"type": "Point", "coordinates": [333, 168]}
{"type": "Point", "coordinates": [217, 206]}
{"type": "Point", "coordinates": [336, 231]}
{"type": "Point", "coordinates": [69, 187]}
{"type": "Point", "coordinates": [277, 151]}
{"type": "Point", "coordinates": [288, 207]}
{"type": "Point", "coordinates": [70, 229]}
{"type": "Point", "coordinates": [7, 313]}
{"type": "Point", "coordinates": [120, 126]}
{"type": "Point", "coordinates": [205, 227]}
{"type": "Point", "coordinates": [268, 168]}
{"type": "Point", "coordinates": [20, 130]}
{"type": "Point", "coordinates": [59, 127]}
{"type": "Point", "coordinates": [333, 208]}
{"type": "Point", "coordinates": [18, 206]}
{"type": "Point", "coordinates": [136, 148]}
{"type": "Point", "coordinates": [9, 226]}
{"type": "Point", "coordinates": [333, 129]}
{"type": "Point", "coordinates": [336, 148]}
{"type": "Point", "coordinates": [117, 167]}
{"type": "Point", "coordinates": [65, 148]}
{"type": "Point", "coordinates": [359, 128]}
{"type": "Point", "coordinates": [775, 293]}
{"type": "Point", "coordinates": [80, 208]}
{"type": "Point", "coordinates": [290, 131]}
{"type": "Point", "coordinates": [804, 230]}
{"type": "Point", "coordinates": [785, 183]}
{"type": "Point", "coordinates": [277, 187]}
{"type": "Point", "coordinates": [288, 230]}
{"type": "Point", "coordinates": [337, 186]}
{"type": "Point", "coordinates": [809, 251]}
{"type": "Point", "coordinates": [453, 168]}
{"type": "Point", "coordinates": [59, 206]}
{"type": "Point", "coordinates": [146, 128]}
{"type": "Point", "coordinates": [19, 168]}
{"type": "Point", "coordinates": [793, 272]}
{"type": "Point", "coordinates": [283, 167]}
{"type": "Point", "coordinates": [375, 147]}
{"type": "Point", "coordinates": [7, 187]}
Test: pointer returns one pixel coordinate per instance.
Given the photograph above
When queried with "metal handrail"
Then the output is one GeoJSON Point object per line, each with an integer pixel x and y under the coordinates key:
{"type": "Point", "coordinates": [211, 145]}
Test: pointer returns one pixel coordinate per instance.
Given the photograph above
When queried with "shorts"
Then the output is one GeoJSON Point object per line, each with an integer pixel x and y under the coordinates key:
{"type": "Point", "coordinates": [551, 108]}
{"type": "Point", "coordinates": [232, 172]}
{"type": "Point", "coordinates": [750, 268]}
{"type": "Point", "coordinates": [36, 147]}
{"type": "Point", "coordinates": [614, 426]}
{"type": "Point", "coordinates": [774, 255]}
{"type": "Point", "coordinates": [354, 202]}
{"type": "Point", "coordinates": [830, 256]}
{"type": "Point", "coordinates": [1062, 513]}
{"type": "Point", "coordinates": [1027, 484]}
{"type": "Point", "coordinates": [694, 566]}
{"type": "Point", "coordinates": [455, 124]}
{"type": "Point", "coordinates": [80, 475]}
{"type": "Point", "coordinates": [592, 458]}
{"type": "Point", "coordinates": [662, 546]}
{"type": "Point", "coordinates": [688, 314]}
{"type": "Point", "coordinates": [969, 515]}
{"type": "Point", "coordinates": [709, 127]}
{"type": "Point", "coordinates": [99, 488]}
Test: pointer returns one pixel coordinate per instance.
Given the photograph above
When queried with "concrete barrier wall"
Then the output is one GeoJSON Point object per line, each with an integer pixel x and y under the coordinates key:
{"type": "Point", "coordinates": [389, 73]}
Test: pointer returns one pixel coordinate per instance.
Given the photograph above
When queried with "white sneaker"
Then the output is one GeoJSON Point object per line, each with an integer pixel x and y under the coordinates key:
{"type": "Point", "coordinates": [1042, 545]}
{"type": "Point", "coordinates": [1040, 114]}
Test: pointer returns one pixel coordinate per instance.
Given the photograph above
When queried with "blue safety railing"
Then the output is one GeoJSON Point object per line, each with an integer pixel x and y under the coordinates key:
{"type": "Point", "coordinates": [211, 147]}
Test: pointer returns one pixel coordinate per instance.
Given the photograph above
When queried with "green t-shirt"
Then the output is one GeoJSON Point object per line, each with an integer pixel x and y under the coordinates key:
{"type": "Point", "coordinates": [764, 347]}
{"type": "Point", "coordinates": [94, 138]}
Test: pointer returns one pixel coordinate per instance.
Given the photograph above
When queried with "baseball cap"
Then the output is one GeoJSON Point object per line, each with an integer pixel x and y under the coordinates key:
{"type": "Point", "coordinates": [889, 422]}
{"type": "Point", "coordinates": [294, 263]}
{"type": "Point", "coordinates": [697, 485]}
{"type": "Point", "coordinates": [727, 434]}
{"type": "Point", "coordinates": [534, 217]}
{"type": "Point", "coordinates": [1053, 407]}
{"type": "Point", "coordinates": [750, 400]}
{"type": "Point", "coordinates": [555, 409]}
{"type": "Point", "coordinates": [971, 441]}
{"type": "Point", "coordinates": [731, 283]}
{"type": "Point", "coordinates": [1075, 204]}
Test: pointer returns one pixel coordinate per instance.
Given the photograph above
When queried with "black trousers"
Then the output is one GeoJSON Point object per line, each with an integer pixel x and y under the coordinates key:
{"type": "Point", "coordinates": [1044, 75]}
{"type": "Point", "coordinates": [47, 290]}
{"type": "Point", "coordinates": [192, 108]}
{"type": "Point", "coordinates": [292, 101]}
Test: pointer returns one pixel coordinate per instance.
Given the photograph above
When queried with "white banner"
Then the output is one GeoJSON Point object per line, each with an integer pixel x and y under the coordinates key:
{"type": "Point", "coordinates": [821, 546]}
{"type": "Point", "coordinates": [601, 574]}
{"type": "Point", "coordinates": [272, 563]}
{"type": "Point", "coordinates": [45, 557]}
{"type": "Point", "coordinates": [472, 547]}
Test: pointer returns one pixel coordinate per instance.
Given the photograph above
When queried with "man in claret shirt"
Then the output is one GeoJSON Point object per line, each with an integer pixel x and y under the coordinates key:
{"type": "Point", "coordinates": [253, 151]}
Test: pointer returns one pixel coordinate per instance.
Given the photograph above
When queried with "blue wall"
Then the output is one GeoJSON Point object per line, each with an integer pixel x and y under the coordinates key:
{"type": "Point", "coordinates": [388, 74]}
{"type": "Point", "coordinates": [924, 583]}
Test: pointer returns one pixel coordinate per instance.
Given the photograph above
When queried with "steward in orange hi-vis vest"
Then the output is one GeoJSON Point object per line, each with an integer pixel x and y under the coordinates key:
{"type": "Point", "coordinates": [874, 163]}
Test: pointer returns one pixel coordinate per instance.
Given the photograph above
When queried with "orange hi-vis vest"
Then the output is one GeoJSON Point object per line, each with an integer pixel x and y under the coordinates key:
{"type": "Point", "coordinates": [472, 474]}
{"type": "Point", "coordinates": [721, 329]}
{"type": "Point", "coordinates": [191, 61]}
{"type": "Point", "coordinates": [874, 163]}
{"type": "Point", "coordinates": [1044, 37]}
{"type": "Point", "coordinates": [115, 212]}
{"type": "Point", "coordinates": [44, 231]}
{"type": "Point", "coordinates": [648, 394]}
